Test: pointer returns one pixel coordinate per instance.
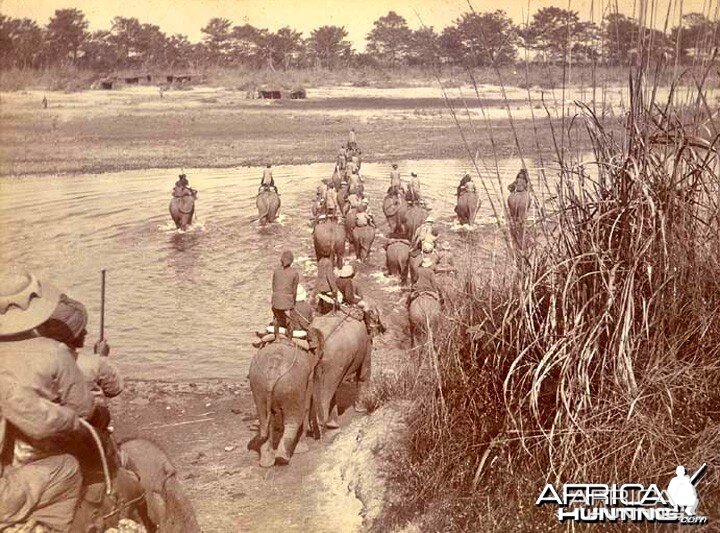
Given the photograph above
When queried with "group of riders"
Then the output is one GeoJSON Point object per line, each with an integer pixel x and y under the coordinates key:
{"type": "Point", "coordinates": [336, 197]}
{"type": "Point", "coordinates": [51, 386]}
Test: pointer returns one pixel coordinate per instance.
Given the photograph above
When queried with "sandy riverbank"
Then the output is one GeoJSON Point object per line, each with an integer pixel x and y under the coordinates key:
{"type": "Point", "coordinates": [105, 131]}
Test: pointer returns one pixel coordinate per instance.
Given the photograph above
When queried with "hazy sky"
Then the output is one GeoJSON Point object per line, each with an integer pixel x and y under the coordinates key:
{"type": "Point", "coordinates": [188, 16]}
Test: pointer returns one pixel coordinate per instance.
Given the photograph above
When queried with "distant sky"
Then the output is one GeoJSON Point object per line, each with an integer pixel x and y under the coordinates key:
{"type": "Point", "coordinates": [357, 16]}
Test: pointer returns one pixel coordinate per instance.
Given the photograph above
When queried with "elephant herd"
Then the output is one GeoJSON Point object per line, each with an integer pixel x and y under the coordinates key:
{"type": "Point", "coordinates": [298, 385]}
{"type": "Point", "coordinates": [182, 208]}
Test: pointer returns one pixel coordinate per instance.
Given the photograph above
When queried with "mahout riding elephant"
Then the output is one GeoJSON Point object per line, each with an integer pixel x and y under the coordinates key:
{"type": "Point", "coordinates": [423, 314]}
{"type": "Point", "coordinates": [281, 380]}
{"type": "Point", "coordinates": [337, 179]}
{"type": "Point", "coordinates": [397, 255]}
{"type": "Point", "coordinates": [144, 487]}
{"type": "Point", "coordinates": [413, 219]}
{"type": "Point", "coordinates": [329, 240]}
{"type": "Point", "coordinates": [467, 207]}
{"type": "Point", "coordinates": [182, 209]}
{"type": "Point", "coordinates": [363, 237]}
{"type": "Point", "coordinates": [268, 205]}
{"type": "Point", "coordinates": [343, 193]}
{"type": "Point", "coordinates": [394, 206]}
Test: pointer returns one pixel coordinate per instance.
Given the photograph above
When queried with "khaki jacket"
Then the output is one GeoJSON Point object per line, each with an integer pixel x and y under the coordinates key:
{"type": "Point", "coordinates": [42, 394]}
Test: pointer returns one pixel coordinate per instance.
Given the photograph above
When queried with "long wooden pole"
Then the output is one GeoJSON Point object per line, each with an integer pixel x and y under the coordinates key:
{"type": "Point", "coordinates": [102, 304]}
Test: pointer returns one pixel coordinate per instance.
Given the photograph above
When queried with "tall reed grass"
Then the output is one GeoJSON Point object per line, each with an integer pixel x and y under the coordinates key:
{"type": "Point", "coordinates": [597, 357]}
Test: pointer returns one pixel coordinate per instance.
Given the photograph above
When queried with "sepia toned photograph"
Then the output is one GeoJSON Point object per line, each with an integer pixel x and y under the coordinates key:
{"type": "Point", "coordinates": [408, 266]}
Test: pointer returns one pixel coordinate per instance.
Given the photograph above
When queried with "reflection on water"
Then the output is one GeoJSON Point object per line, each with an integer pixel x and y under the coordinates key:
{"type": "Point", "coordinates": [183, 305]}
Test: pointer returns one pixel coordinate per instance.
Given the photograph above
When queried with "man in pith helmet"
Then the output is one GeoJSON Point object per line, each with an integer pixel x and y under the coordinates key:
{"type": "Point", "coordinates": [43, 396]}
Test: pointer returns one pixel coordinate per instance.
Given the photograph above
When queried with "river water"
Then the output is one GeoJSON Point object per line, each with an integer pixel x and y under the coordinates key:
{"type": "Point", "coordinates": [182, 306]}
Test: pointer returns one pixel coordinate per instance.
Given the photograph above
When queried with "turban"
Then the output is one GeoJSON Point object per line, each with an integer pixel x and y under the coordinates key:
{"type": "Point", "coordinates": [67, 322]}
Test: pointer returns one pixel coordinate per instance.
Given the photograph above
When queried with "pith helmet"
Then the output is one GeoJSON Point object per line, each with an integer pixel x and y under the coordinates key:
{"type": "Point", "coordinates": [25, 301]}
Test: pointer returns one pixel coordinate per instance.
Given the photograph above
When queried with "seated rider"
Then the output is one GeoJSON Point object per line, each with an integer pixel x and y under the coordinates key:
{"type": "Point", "coordinates": [326, 286]}
{"type": "Point", "coordinates": [395, 180]}
{"type": "Point", "coordinates": [341, 158]}
{"type": "Point", "coordinates": [413, 190]}
{"type": "Point", "coordinates": [463, 182]}
{"type": "Point", "coordinates": [331, 201]}
{"type": "Point", "coordinates": [68, 325]}
{"type": "Point", "coordinates": [318, 206]}
{"type": "Point", "coordinates": [425, 281]}
{"type": "Point", "coordinates": [267, 182]}
{"type": "Point", "coordinates": [364, 209]}
{"type": "Point", "coordinates": [351, 294]}
{"type": "Point", "coordinates": [353, 200]}
{"type": "Point", "coordinates": [425, 233]}
{"type": "Point", "coordinates": [182, 187]}
{"type": "Point", "coordinates": [43, 396]}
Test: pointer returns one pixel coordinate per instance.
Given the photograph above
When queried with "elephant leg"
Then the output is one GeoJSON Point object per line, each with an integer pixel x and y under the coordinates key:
{"type": "Point", "coordinates": [362, 376]}
{"type": "Point", "coordinates": [267, 452]}
{"type": "Point", "coordinates": [333, 416]}
{"type": "Point", "coordinates": [262, 435]}
{"type": "Point", "coordinates": [287, 441]}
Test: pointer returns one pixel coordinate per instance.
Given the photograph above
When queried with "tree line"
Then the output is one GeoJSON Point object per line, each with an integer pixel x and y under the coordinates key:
{"type": "Point", "coordinates": [553, 35]}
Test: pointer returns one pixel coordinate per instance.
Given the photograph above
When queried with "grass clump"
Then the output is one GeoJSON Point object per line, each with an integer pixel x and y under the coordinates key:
{"type": "Point", "coordinates": [597, 358]}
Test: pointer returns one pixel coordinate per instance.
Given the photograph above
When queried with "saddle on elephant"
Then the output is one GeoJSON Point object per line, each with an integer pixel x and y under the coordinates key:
{"type": "Point", "coordinates": [394, 240]}
{"type": "Point", "coordinates": [414, 295]}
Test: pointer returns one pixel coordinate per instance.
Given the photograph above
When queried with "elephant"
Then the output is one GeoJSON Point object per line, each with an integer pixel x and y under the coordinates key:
{"type": "Point", "coordinates": [329, 241]}
{"type": "Point", "coordinates": [363, 237]}
{"type": "Point", "coordinates": [423, 313]}
{"type": "Point", "coordinates": [394, 207]}
{"type": "Point", "coordinates": [145, 489]}
{"type": "Point", "coordinates": [467, 207]}
{"type": "Point", "coordinates": [344, 349]}
{"type": "Point", "coordinates": [268, 205]}
{"type": "Point", "coordinates": [397, 255]}
{"type": "Point", "coordinates": [182, 209]}
{"type": "Point", "coordinates": [413, 219]}
{"type": "Point", "coordinates": [281, 381]}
